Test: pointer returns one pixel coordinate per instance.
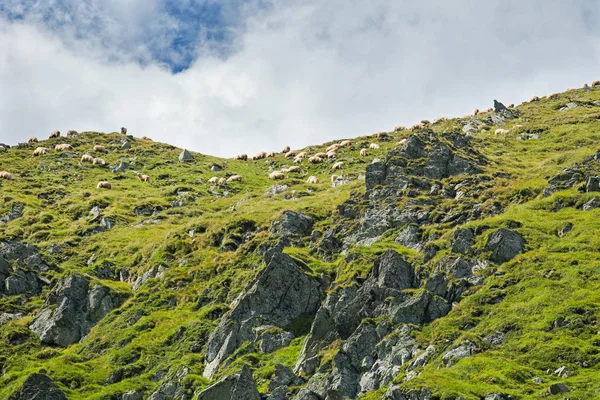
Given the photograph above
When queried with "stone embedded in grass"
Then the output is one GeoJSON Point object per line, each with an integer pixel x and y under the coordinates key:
{"type": "Point", "coordinates": [240, 386]}
{"type": "Point", "coordinates": [504, 245]}
{"type": "Point", "coordinates": [558, 388]}
{"type": "Point", "coordinates": [593, 184]}
{"type": "Point", "coordinates": [39, 386]}
{"type": "Point", "coordinates": [462, 240]}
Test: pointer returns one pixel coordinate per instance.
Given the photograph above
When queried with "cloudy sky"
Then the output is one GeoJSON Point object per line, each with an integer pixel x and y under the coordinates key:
{"type": "Point", "coordinates": [229, 76]}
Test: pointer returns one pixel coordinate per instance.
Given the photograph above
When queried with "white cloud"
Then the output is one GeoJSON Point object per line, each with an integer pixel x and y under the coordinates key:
{"type": "Point", "coordinates": [305, 71]}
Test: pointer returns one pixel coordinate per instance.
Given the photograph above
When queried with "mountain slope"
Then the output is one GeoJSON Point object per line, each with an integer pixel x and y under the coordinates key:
{"type": "Point", "coordinates": [461, 262]}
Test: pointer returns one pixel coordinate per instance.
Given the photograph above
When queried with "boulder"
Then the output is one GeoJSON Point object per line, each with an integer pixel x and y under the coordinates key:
{"type": "Point", "coordinates": [281, 295]}
{"type": "Point", "coordinates": [271, 339]}
{"type": "Point", "coordinates": [558, 388]}
{"type": "Point", "coordinates": [125, 146]}
{"type": "Point", "coordinates": [283, 377]}
{"type": "Point", "coordinates": [173, 387]}
{"type": "Point", "coordinates": [39, 387]}
{"type": "Point", "coordinates": [240, 386]}
{"type": "Point", "coordinates": [186, 156]}
{"type": "Point", "coordinates": [592, 184]}
{"type": "Point", "coordinates": [292, 223]}
{"type": "Point", "coordinates": [72, 309]}
{"type": "Point", "coordinates": [462, 240]}
{"type": "Point", "coordinates": [498, 107]}
{"type": "Point", "coordinates": [465, 350]}
{"type": "Point", "coordinates": [122, 167]}
{"type": "Point", "coordinates": [409, 236]}
{"type": "Point", "coordinates": [504, 245]}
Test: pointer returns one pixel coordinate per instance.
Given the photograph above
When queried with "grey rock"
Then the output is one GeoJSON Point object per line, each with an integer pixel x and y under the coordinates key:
{"type": "Point", "coordinates": [122, 167]}
{"type": "Point", "coordinates": [591, 204]}
{"type": "Point", "coordinates": [564, 180]}
{"type": "Point", "coordinates": [563, 372]}
{"type": "Point", "coordinates": [125, 146]}
{"type": "Point", "coordinates": [495, 396]}
{"type": "Point", "coordinates": [273, 340]}
{"type": "Point", "coordinates": [306, 394]}
{"type": "Point", "coordinates": [240, 386]}
{"type": "Point", "coordinates": [24, 282]}
{"type": "Point", "coordinates": [39, 387]}
{"type": "Point", "coordinates": [281, 294]}
{"type": "Point", "coordinates": [504, 245]}
{"type": "Point", "coordinates": [278, 393]}
{"type": "Point", "coordinates": [186, 156]}
{"type": "Point", "coordinates": [284, 377]}
{"type": "Point", "coordinates": [422, 359]}
{"type": "Point", "coordinates": [173, 388]}
{"type": "Point", "coordinates": [569, 106]}
{"type": "Point", "coordinates": [558, 388]}
{"type": "Point", "coordinates": [292, 223]}
{"type": "Point", "coordinates": [277, 189]}
{"type": "Point", "coordinates": [462, 240]}
{"type": "Point", "coordinates": [78, 309]}
{"type": "Point", "coordinates": [499, 107]}
{"type": "Point", "coordinates": [429, 252]}
{"type": "Point", "coordinates": [564, 230]}
{"type": "Point", "coordinates": [391, 270]}
{"type": "Point", "coordinates": [465, 350]}
{"type": "Point", "coordinates": [537, 380]}
{"type": "Point", "coordinates": [409, 236]}
{"type": "Point", "coordinates": [593, 184]}
{"type": "Point", "coordinates": [133, 395]}
{"type": "Point", "coordinates": [395, 392]}
{"type": "Point", "coordinates": [94, 214]}
{"type": "Point", "coordinates": [216, 168]}
{"type": "Point", "coordinates": [420, 309]}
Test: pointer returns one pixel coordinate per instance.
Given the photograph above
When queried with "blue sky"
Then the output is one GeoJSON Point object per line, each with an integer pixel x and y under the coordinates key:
{"type": "Point", "coordinates": [224, 77]}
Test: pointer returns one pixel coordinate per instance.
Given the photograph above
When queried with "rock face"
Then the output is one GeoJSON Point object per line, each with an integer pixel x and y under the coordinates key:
{"type": "Point", "coordinates": [292, 223]}
{"type": "Point", "coordinates": [282, 294]}
{"type": "Point", "coordinates": [504, 245]}
{"type": "Point", "coordinates": [78, 309]}
{"type": "Point", "coordinates": [173, 388]}
{"type": "Point", "coordinates": [462, 241]}
{"type": "Point", "coordinates": [186, 156]}
{"type": "Point", "coordinates": [240, 386]}
{"type": "Point", "coordinates": [38, 387]}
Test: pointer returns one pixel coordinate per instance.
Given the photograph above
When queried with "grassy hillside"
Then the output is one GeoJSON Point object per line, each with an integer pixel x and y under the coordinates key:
{"type": "Point", "coordinates": [206, 240]}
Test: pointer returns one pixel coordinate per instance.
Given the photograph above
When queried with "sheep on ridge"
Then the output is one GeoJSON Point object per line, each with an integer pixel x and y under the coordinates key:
{"type": "Point", "coordinates": [63, 147]}
{"type": "Point", "coordinates": [123, 130]}
{"type": "Point", "coordinates": [276, 175]}
{"type": "Point", "coordinates": [374, 146]}
{"type": "Point", "coordinates": [286, 149]}
{"type": "Point", "coordinates": [40, 151]}
{"type": "Point", "coordinates": [338, 165]}
{"type": "Point", "coordinates": [71, 133]}
{"type": "Point", "coordinates": [146, 138]}
{"type": "Point", "coordinates": [345, 143]}
{"type": "Point", "coordinates": [55, 134]}
{"type": "Point", "coordinates": [242, 157]}
{"type": "Point", "coordinates": [33, 139]}
{"type": "Point", "coordinates": [260, 156]}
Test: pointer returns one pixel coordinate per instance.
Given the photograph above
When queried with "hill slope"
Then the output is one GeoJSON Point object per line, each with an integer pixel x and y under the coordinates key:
{"type": "Point", "coordinates": [449, 261]}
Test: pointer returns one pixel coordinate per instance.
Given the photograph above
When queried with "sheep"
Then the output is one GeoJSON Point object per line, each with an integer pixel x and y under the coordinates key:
{"type": "Point", "coordinates": [40, 151]}
{"type": "Point", "coordinates": [123, 130]}
{"type": "Point", "coordinates": [271, 154]}
{"type": "Point", "coordinates": [290, 154]}
{"type": "Point", "coordinates": [425, 122]}
{"type": "Point", "coordinates": [321, 155]}
{"type": "Point", "coordinates": [338, 165]}
{"type": "Point", "coordinates": [295, 169]}
{"type": "Point", "coordinates": [489, 110]}
{"type": "Point", "coordinates": [298, 160]}
{"type": "Point", "coordinates": [511, 105]}
{"type": "Point", "coordinates": [99, 149]}
{"type": "Point", "coordinates": [276, 175]}
{"type": "Point", "coordinates": [534, 99]}
{"type": "Point", "coordinates": [382, 136]}
{"type": "Point", "coordinates": [401, 128]}
{"type": "Point", "coordinates": [586, 86]}
{"type": "Point", "coordinates": [103, 185]}
{"type": "Point", "coordinates": [260, 155]}
{"type": "Point", "coordinates": [86, 158]}
{"type": "Point", "coordinates": [333, 147]}
{"type": "Point", "coordinates": [2, 149]}
{"type": "Point", "coordinates": [312, 179]}
{"type": "Point", "coordinates": [63, 147]}
{"type": "Point", "coordinates": [501, 131]}
{"type": "Point", "coordinates": [417, 126]}
{"type": "Point", "coordinates": [234, 178]}
{"type": "Point", "coordinates": [213, 180]}
{"type": "Point", "coordinates": [315, 159]}
{"type": "Point", "coordinates": [345, 143]}
{"type": "Point", "coordinates": [331, 154]}
{"type": "Point", "coordinates": [285, 150]}
{"type": "Point", "coordinates": [374, 146]}
{"type": "Point", "coordinates": [437, 120]}
{"type": "Point", "coordinates": [55, 134]}
{"type": "Point", "coordinates": [476, 111]}
{"type": "Point", "coordinates": [401, 142]}
{"type": "Point", "coordinates": [242, 157]}
{"type": "Point", "coordinates": [222, 181]}
{"type": "Point", "coordinates": [554, 96]}
{"type": "Point", "coordinates": [595, 83]}
{"type": "Point", "coordinates": [302, 154]}
{"type": "Point", "coordinates": [363, 152]}
{"type": "Point", "coordinates": [32, 139]}
{"type": "Point", "coordinates": [7, 175]}
{"type": "Point", "coordinates": [71, 133]}
{"type": "Point", "coordinates": [98, 161]}
{"type": "Point", "coordinates": [146, 138]}
{"type": "Point", "coordinates": [142, 177]}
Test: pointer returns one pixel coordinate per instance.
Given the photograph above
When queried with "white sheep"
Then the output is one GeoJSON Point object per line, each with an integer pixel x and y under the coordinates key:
{"type": "Point", "coordinates": [33, 139]}
{"type": "Point", "coordinates": [290, 154]}
{"type": "Point", "coordinates": [63, 147]}
{"type": "Point", "coordinates": [234, 178]}
{"type": "Point", "coordinates": [123, 130]}
{"type": "Point", "coordinates": [86, 158]}
{"type": "Point", "coordinates": [71, 133]}
{"type": "Point", "coordinates": [222, 181]}
{"type": "Point", "coordinates": [213, 180]}
{"type": "Point", "coordinates": [103, 185]}
{"type": "Point", "coordinates": [401, 142]}
{"type": "Point", "coordinates": [345, 143]}
{"type": "Point", "coordinates": [302, 154]}
{"type": "Point", "coordinates": [242, 157]}
{"type": "Point", "coordinates": [501, 131]}
{"type": "Point", "coordinates": [315, 159]}
{"type": "Point", "coordinates": [143, 178]}
{"type": "Point", "coordinates": [98, 161]}
{"type": "Point", "coordinates": [276, 175]}
{"type": "Point", "coordinates": [40, 151]}
{"type": "Point", "coordinates": [374, 146]}
{"type": "Point", "coordinates": [334, 178]}
{"type": "Point", "coordinates": [260, 156]}
{"type": "Point", "coordinates": [338, 165]}
{"type": "Point", "coordinates": [331, 154]}
{"type": "Point", "coordinates": [312, 179]}
{"type": "Point", "coordinates": [55, 134]}
{"type": "Point", "coordinates": [286, 149]}
{"type": "Point", "coordinates": [333, 147]}
{"type": "Point", "coordinates": [321, 155]}
{"type": "Point", "coordinates": [295, 169]}
{"type": "Point", "coordinates": [363, 152]}
{"type": "Point", "coordinates": [271, 154]}
{"type": "Point", "coordinates": [99, 149]}
{"type": "Point", "coordinates": [382, 135]}
{"type": "Point", "coordinates": [7, 175]}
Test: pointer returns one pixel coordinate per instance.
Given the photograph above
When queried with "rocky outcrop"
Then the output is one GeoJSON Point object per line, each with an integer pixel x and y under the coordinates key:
{"type": "Point", "coordinates": [240, 386]}
{"type": "Point", "coordinates": [72, 309]}
{"type": "Point", "coordinates": [462, 240]}
{"type": "Point", "coordinates": [282, 294]}
{"type": "Point", "coordinates": [504, 245]}
{"type": "Point", "coordinates": [292, 223]}
{"type": "Point", "coordinates": [38, 387]}
{"type": "Point", "coordinates": [173, 388]}
{"type": "Point", "coordinates": [185, 156]}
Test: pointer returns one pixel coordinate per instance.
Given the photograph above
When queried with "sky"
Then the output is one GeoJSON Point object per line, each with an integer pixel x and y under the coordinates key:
{"type": "Point", "coordinates": [224, 77]}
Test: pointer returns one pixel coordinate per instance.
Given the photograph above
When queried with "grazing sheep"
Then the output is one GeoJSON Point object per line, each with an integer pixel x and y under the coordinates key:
{"type": "Point", "coordinates": [476, 111]}
{"type": "Point", "coordinates": [234, 178]}
{"type": "Point", "coordinates": [501, 131]}
{"type": "Point", "coordinates": [276, 175]}
{"type": "Point", "coordinates": [55, 134]}
{"type": "Point", "coordinates": [321, 154]}
{"type": "Point", "coordinates": [382, 136]}
{"type": "Point", "coordinates": [331, 154]}
{"type": "Point", "coordinates": [302, 154]}
{"type": "Point", "coordinates": [425, 122]}
{"type": "Point", "coordinates": [290, 154]}
{"type": "Point", "coordinates": [374, 146]}
{"type": "Point", "coordinates": [143, 178]}
{"type": "Point", "coordinates": [295, 169]}
{"type": "Point", "coordinates": [212, 180]}
{"type": "Point", "coordinates": [123, 130]}
{"type": "Point", "coordinates": [145, 138]}
{"type": "Point", "coordinates": [98, 161]}
{"type": "Point", "coordinates": [363, 152]}
{"type": "Point", "coordinates": [222, 181]}
{"type": "Point", "coordinates": [99, 149]}
{"type": "Point", "coordinates": [595, 83]}
{"type": "Point", "coordinates": [401, 142]}
{"type": "Point", "coordinates": [7, 175]}
{"type": "Point", "coordinates": [260, 156]}
{"type": "Point", "coordinates": [103, 185]}
{"type": "Point", "coordinates": [312, 179]}
{"type": "Point", "coordinates": [242, 157]}
{"type": "Point", "coordinates": [510, 106]}
{"type": "Point", "coordinates": [417, 126]}
{"type": "Point", "coordinates": [298, 159]}
{"type": "Point", "coordinates": [2, 149]}
{"type": "Point", "coordinates": [40, 151]}
{"type": "Point", "coordinates": [345, 143]}
{"type": "Point", "coordinates": [534, 99]}
{"type": "Point", "coordinates": [334, 178]}
{"type": "Point", "coordinates": [554, 96]}
{"type": "Point", "coordinates": [333, 147]}
{"type": "Point", "coordinates": [401, 128]}
{"type": "Point", "coordinates": [271, 154]}
{"type": "Point", "coordinates": [338, 165]}
{"type": "Point", "coordinates": [63, 147]}
{"type": "Point", "coordinates": [315, 159]}
{"type": "Point", "coordinates": [71, 133]}
{"type": "Point", "coordinates": [33, 139]}
{"type": "Point", "coordinates": [586, 86]}
{"type": "Point", "coordinates": [86, 158]}
{"type": "Point", "coordinates": [286, 149]}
